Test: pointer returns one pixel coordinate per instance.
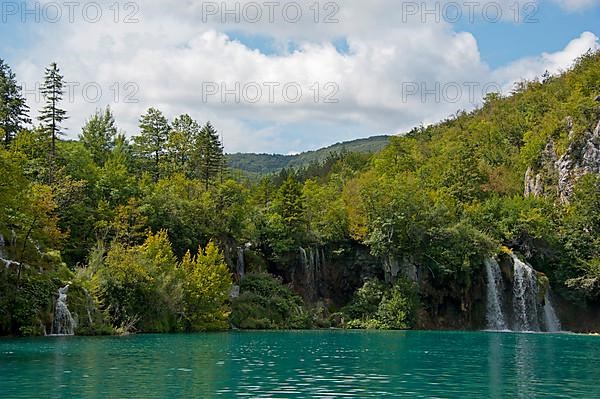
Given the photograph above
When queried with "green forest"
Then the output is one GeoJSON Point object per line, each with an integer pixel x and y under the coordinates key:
{"type": "Point", "coordinates": [272, 163]}
{"type": "Point", "coordinates": [158, 233]}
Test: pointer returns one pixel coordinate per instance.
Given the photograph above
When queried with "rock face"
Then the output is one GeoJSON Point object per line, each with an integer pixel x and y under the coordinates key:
{"type": "Point", "coordinates": [332, 273]}
{"type": "Point", "coordinates": [582, 157]}
{"type": "Point", "coordinates": [559, 176]}
{"type": "Point", "coordinates": [394, 268]}
{"type": "Point", "coordinates": [544, 180]}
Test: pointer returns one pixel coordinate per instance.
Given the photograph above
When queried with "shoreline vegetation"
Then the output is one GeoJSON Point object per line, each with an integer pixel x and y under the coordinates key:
{"type": "Point", "coordinates": [156, 233]}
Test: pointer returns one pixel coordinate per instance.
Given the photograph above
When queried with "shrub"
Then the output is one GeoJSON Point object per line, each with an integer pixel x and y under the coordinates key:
{"type": "Point", "coordinates": [265, 303]}
{"type": "Point", "coordinates": [377, 307]}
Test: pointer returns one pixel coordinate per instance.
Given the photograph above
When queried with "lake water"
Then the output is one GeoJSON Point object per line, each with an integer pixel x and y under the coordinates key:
{"type": "Point", "coordinates": [312, 364]}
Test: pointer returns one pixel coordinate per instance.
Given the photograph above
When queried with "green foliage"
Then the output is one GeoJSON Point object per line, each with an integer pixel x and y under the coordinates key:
{"type": "Point", "coordinates": [145, 288]}
{"type": "Point", "coordinates": [273, 163]}
{"type": "Point", "coordinates": [98, 135]}
{"type": "Point", "coordinates": [208, 155]}
{"type": "Point", "coordinates": [52, 115]}
{"type": "Point", "coordinates": [206, 286]}
{"type": "Point", "coordinates": [286, 226]}
{"type": "Point", "coordinates": [442, 197]}
{"type": "Point", "coordinates": [138, 286]}
{"type": "Point", "coordinates": [580, 233]}
{"type": "Point", "coordinates": [376, 306]}
{"type": "Point", "coordinates": [366, 300]}
{"type": "Point", "coordinates": [264, 303]}
{"type": "Point", "coordinates": [150, 143]}
{"type": "Point", "coordinates": [13, 106]}
{"type": "Point", "coordinates": [180, 146]}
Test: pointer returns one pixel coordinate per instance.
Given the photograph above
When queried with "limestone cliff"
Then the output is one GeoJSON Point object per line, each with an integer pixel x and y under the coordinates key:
{"type": "Point", "coordinates": [558, 176]}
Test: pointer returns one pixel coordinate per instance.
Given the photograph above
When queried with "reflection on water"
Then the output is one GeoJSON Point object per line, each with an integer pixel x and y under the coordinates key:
{"type": "Point", "coordinates": [495, 365]}
{"type": "Point", "coordinates": [524, 367]}
{"type": "Point", "coordinates": [317, 364]}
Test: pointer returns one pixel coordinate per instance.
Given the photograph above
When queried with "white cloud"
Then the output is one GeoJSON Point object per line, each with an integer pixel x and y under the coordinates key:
{"type": "Point", "coordinates": [532, 67]}
{"type": "Point", "coordinates": [170, 55]}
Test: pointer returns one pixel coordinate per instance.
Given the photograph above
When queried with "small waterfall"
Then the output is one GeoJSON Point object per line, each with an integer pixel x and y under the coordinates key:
{"type": "Point", "coordinates": [7, 262]}
{"type": "Point", "coordinates": [550, 318]}
{"type": "Point", "coordinates": [240, 265]}
{"type": "Point", "coordinates": [525, 290]}
{"type": "Point", "coordinates": [495, 316]}
{"type": "Point", "coordinates": [63, 323]}
{"type": "Point", "coordinates": [311, 261]}
{"type": "Point", "coordinates": [303, 261]}
{"type": "Point", "coordinates": [521, 312]}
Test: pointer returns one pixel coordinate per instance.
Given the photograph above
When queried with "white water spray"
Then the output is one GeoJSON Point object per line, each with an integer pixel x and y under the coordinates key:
{"type": "Point", "coordinates": [495, 317]}
{"type": "Point", "coordinates": [63, 323]}
{"type": "Point", "coordinates": [521, 312]}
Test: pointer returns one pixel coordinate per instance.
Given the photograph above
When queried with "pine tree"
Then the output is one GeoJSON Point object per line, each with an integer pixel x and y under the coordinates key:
{"type": "Point", "coordinates": [51, 115]}
{"type": "Point", "coordinates": [208, 154]}
{"type": "Point", "coordinates": [13, 108]}
{"type": "Point", "coordinates": [98, 135]}
{"type": "Point", "coordinates": [154, 134]}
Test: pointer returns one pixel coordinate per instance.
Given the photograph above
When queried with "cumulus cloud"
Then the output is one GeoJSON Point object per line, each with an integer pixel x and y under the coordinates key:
{"type": "Point", "coordinates": [532, 67]}
{"type": "Point", "coordinates": [394, 73]}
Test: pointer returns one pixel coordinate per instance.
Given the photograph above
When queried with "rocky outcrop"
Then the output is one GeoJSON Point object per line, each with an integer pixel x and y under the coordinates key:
{"type": "Point", "coordinates": [394, 268]}
{"type": "Point", "coordinates": [543, 181]}
{"type": "Point", "coordinates": [557, 177]}
{"type": "Point", "coordinates": [582, 157]}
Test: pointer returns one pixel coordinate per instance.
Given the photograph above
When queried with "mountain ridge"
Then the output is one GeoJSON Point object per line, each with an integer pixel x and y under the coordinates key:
{"type": "Point", "coordinates": [266, 163]}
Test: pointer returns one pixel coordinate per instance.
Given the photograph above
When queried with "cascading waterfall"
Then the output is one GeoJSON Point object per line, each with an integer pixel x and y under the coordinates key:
{"type": "Point", "coordinates": [311, 261]}
{"type": "Point", "coordinates": [63, 323]}
{"type": "Point", "coordinates": [550, 318]}
{"type": "Point", "coordinates": [521, 312]}
{"type": "Point", "coordinates": [495, 317]}
{"type": "Point", "coordinates": [525, 292]}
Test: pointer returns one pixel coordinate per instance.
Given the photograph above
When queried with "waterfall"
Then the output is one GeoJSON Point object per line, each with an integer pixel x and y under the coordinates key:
{"type": "Point", "coordinates": [240, 265]}
{"type": "Point", "coordinates": [7, 262]}
{"type": "Point", "coordinates": [525, 291]}
{"type": "Point", "coordinates": [495, 317]}
{"type": "Point", "coordinates": [63, 323]}
{"type": "Point", "coordinates": [521, 312]}
{"type": "Point", "coordinates": [550, 318]}
{"type": "Point", "coordinates": [311, 261]}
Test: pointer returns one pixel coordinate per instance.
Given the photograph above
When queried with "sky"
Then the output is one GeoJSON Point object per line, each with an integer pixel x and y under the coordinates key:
{"type": "Point", "coordinates": [285, 77]}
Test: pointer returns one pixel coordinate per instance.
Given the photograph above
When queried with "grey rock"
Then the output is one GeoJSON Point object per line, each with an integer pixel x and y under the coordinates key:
{"type": "Point", "coordinates": [582, 157]}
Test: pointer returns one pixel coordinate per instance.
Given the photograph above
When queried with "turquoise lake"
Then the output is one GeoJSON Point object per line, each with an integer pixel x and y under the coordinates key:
{"type": "Point", "coordinates": [311, 364]}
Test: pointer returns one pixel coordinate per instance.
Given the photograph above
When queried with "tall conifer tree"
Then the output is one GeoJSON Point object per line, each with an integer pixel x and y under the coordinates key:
{"type": "Point", "coordinates": [13, 107]}
{"type": "Point", "coordinates": [52, 115]}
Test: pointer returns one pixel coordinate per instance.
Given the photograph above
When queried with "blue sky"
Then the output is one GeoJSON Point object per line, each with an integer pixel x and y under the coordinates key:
{"type": "Point", "coordinates": [501, 43]}
{"type": "Point", "coordinates": [376, 63]}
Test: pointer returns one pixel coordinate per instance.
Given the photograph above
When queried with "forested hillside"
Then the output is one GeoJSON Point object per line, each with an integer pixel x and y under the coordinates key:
{"type": "Point", "coordinates": [272, 163]}
{"type": "Point", "coordinates": [154, 233]}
